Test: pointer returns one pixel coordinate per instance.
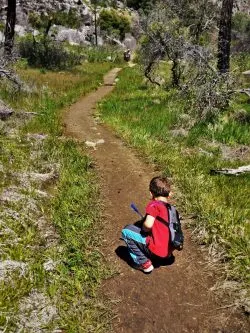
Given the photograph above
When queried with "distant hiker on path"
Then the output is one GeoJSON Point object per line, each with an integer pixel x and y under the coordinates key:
{"type": "Point", "coordinates": [151, 239]}
{"type": "Point", "coordinates": [127, 55]}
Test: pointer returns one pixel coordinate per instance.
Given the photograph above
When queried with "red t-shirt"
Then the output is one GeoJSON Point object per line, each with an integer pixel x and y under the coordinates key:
{"type": "Point", "coordinates": [158, 240]}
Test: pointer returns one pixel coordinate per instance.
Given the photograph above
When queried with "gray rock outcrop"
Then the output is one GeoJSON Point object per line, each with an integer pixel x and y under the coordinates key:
{"type": "Point", "coordinates": [84, 35]}
{"type": "Point", "coordinates": [25, 7]}
{"type": "Point", "coordinates": [5, 111]}
{"type": "Point", "coordinates": [129, 41]}
{"type": "Point", "coordinates": [73, 36]}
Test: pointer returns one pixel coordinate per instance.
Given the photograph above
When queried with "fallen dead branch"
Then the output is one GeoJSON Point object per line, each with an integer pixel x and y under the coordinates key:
{"type": "Point", "coordinates": [10, 76]}
{"type": "Point", "coordinates": [234, 172]}
{"type": "Point", "coordinates": [243, 91]}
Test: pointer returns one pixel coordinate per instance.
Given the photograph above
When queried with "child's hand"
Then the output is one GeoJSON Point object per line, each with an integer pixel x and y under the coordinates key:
{"type": "Point", "coordinates": [140, 222]}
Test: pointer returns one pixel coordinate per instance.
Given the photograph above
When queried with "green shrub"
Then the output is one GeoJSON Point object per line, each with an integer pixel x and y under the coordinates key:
{"type": "Point", "coordinates": [42, 21]}
{"type": "Point", "coordinates": [114, 22]}
{"type": "Point", "coordinates": [241, 22]}
{"type": "Point", "coordinates": [70, 19]}
{"type": "Point", "coordinates": [2, 26]}
{"type": "Point", "coordinates": [240, 61]}
{"type": "Point", "coordinates": [241, 33]}
{"type": "Point", "coordinates": [46, 53]}
{"type": "Point", "coordinates": [37, 21]}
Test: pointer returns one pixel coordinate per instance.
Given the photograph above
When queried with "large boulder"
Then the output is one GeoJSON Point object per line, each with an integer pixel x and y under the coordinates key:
{"type": "Point", "coordinates": [129, 41]}
{"type": "Point", "coordinates": [24, 7]}
{"type": "Point", "coordinates": [20, 30]}
{"type": "Point", "coordinates": [21, 16]}
{"type": "Point", "coordinates": [1, 37]}
{"type": "Point", "coordinates": [73, 36]}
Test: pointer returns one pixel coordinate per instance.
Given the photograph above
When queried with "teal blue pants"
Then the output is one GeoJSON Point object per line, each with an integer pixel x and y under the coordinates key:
{"type": "Point", "coordinates": [136, 243]}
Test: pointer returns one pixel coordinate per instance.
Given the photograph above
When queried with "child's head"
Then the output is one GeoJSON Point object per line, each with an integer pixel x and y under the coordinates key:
{"type": "Point", "coordinates": [159, 187]}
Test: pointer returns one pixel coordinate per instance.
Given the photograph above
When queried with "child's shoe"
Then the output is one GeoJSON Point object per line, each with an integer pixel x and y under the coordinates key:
{"type": "Point", "coordinates": [147, 267]}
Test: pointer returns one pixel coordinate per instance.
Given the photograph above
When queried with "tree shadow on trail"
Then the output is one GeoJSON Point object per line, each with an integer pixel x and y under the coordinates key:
{"type": "Point", "coordinates": [122, 253]}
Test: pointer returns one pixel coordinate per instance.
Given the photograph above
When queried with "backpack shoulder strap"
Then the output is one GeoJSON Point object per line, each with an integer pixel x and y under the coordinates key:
{"type": "Point", "coordinates": [173, 215]}
{"type": "Point", "coordinates": [162, 220]}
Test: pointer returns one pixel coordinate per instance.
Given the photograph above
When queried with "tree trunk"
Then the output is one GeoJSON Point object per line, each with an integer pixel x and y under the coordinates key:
{"type": "Point", "coordinates": [46, 32]}
{"type": "Point", "coordinates": [176, 74]}
{"type": "Point", "coordinates": [96, 32]}
{"type": "Point", "coordinates": [224, 37]}
{"type": "Point", "coordinates": [10, 27]}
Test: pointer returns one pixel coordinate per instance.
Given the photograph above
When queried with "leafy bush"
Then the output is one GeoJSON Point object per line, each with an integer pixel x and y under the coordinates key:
{"type": "Point", "coordinates": [114, 22]}
{"type": "Point", "coordinates": [46, 53]}
{"type": "Point", "coordinates": [240, 62]}
{"type": "Point", "coordinates": [241, 33]}
{"type": "Point", "coordinates": [241, 22]}
{"type": "Point", "coordinates": [2, 26]}
{"type": "Point", "coordinates": [42, 21]}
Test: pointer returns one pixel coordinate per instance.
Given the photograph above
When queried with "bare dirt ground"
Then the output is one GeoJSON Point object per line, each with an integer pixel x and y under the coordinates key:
{"type": "Point", "coordinates": [175, 298]}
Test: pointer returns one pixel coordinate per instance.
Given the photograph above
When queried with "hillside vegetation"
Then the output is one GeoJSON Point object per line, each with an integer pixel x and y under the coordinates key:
{"type": "Point", "coordinates": [50, 264]}
{"type": "Point", "coordinates": [186, 119]}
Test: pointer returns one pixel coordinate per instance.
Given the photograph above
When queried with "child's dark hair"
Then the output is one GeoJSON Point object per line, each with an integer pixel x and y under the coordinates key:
{"type": "Point", "coordinates": [159, 187]}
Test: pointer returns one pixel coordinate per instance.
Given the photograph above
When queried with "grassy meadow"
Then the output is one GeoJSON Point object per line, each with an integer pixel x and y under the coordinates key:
{"type": "Point", "coordinates": [50, 266]}
{"type": "Point", "coordinates": [154, 121]}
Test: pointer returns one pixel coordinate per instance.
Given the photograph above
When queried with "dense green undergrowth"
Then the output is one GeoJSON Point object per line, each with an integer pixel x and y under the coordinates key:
{"type": "Point", "coordinates": [154, 121]}
{"type": "Point", "coordinates": [50, 266]}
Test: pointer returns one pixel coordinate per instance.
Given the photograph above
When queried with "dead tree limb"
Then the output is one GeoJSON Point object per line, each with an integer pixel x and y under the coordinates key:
{"type": "Point", "coordinates": [10, 76]}
{"type": "Point", "coordinates": [233, 172]}
{"type": "Point", "coordinates": [147, 73]}
{"type": "Point", "coordinates": [243, 91]}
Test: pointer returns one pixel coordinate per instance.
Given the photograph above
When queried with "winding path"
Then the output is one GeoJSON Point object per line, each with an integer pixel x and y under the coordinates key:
{"type": "Point", "coordinates": [175, 298]}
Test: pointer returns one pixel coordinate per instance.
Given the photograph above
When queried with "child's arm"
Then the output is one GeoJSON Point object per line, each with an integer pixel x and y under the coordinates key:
{"type": "Point", "coordinates": [148, 223]}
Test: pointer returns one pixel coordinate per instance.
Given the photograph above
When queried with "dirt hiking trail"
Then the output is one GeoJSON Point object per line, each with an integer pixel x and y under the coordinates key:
{"type": "Point", "coordinates": [175, 298]}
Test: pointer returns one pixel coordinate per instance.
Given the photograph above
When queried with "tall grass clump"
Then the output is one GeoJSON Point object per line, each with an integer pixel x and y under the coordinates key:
{"type": "Point", "coordinates": [157, 123]}
{"type": "Point", "coordinates": [99, 54]}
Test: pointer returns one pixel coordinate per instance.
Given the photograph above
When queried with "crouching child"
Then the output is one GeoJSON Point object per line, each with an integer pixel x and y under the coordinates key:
{"type": "Point", "coordinates": [158, 233]}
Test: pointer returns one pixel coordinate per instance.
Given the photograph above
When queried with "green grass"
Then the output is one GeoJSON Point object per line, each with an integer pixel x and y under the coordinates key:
{"type": "Point", "coordinates": [72, 211]}
{"type": "Point", "coordinates": [99, 54]}
{"type": "Point", "coordinates": [145, 116]}
{"type": "Point", "coordinates": [51, 91]}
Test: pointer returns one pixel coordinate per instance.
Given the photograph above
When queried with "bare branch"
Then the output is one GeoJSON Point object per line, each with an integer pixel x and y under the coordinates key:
{"type": "Point", "coordinates": [10, 76]}
{"type": "Point", "coordinates": [243, 91]}
{"type": "Point", "coordinates": [234, 172]}
{"type": "Point", "coordinates": [147, 72]}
